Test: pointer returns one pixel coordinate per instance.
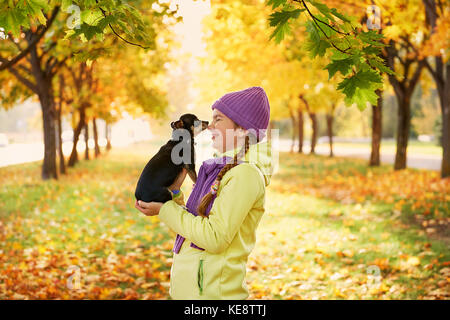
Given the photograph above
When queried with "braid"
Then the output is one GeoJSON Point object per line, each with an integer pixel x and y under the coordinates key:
{"type": "Point", "coordinates": [206, 200]}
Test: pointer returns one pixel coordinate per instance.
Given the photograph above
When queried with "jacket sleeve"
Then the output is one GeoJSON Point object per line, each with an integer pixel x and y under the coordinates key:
{"type": "Point", "coordinates": [236, 197]}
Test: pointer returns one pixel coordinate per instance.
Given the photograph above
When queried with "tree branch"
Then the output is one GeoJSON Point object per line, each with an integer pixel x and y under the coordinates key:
{"type": "Point", "coordinates": [50, 47]}
{"type": "Point", "coordinates": [407, 65]}
{"type": "Point", "coordinates": [315, 22]}
{"type": "Point", "coordinates": [430, 69]}
{"type": "Point", "coordinates": [57, 65]}
{"type": "Point", "coordinates": [22, 79]}
{"type": "Point", "coordinates": [416, 75]}
{"type": "Point", "coordinates": [323, 22]}
{"type": "Point", "coordinates": [50, 60]}
{"type": "Point", "coordinates": [10, 63]}
{"type": "Point", "coordinates": [389, 55]}
{"type": "Point", "coordinates": [22, 67]}
{"type": "Point", "coordinates": [120, 37]}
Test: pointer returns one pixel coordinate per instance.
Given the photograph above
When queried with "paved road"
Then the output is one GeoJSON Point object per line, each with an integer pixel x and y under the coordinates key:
{"type": "Point", "coordinates": [419, 161]}
{"type": "Point", "coordinates": [20, 153]}
{"type": "Point", "coordinates": [17, 153]}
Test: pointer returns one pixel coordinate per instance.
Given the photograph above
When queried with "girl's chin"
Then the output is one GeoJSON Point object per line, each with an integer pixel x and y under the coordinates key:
{"type": "Point", "coordinates": [216, 146]}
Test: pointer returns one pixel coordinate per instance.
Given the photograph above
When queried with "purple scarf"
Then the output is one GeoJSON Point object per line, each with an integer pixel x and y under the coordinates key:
{"type": "Point", "coordinates": [208, 172]}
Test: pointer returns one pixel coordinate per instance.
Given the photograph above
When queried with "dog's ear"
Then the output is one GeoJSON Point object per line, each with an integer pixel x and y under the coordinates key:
{"type": "Point", "coordinates": [177, 124]}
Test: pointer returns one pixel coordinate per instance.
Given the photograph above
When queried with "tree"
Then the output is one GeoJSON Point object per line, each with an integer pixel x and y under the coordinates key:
{"type": "Point", "coordinates": [377, 117]}
{"type": "Point", "coordinates": [353, 52]}
{"type": "Point", "coordinates": [368, 15]}
{"type": "Point", "coordinates": [293, 123]}
{"type": "Point", "coordinates": [306, 75]}
{"type": "Point", "coordinates": [59, 107]}
{"type": "Point", "coordinates": [401, 22]}
{"type": "Point", "coordinates": [402, 57]}
{"type": "Point", "coordinates": [328, 98]}
{"type": "Point", "coordinates": [28, 21]}
{"type": "Point", "coordinates": [37, 77]}
{"type": "Point", "coordinates": [83, 80]}
{"type": "Point", "coordinates": [437, 46]}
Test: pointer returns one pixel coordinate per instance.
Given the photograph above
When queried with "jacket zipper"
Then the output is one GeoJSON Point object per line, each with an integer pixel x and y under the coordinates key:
{"type": "Point", "coordinates": [200, 276]}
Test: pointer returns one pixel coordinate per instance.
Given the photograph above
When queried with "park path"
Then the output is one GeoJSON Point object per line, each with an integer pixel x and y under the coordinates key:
{"type": "Point", "coordinates": [22, 153]}
{"type": "Point", "coordinates": [418, 161]}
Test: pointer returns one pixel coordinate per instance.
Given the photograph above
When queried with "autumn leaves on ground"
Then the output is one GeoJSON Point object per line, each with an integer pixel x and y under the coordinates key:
{"type": "Point", "coordinates": [333, 229]}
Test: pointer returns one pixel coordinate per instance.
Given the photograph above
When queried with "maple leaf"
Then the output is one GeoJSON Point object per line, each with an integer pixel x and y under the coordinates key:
{"type": "Point", "coordinates": [360, 88]}
{"type": "Point", "coordinates": [276, 3]}
{"type": "Point", "coordinates": [315, 44]}
{"type": "Point", "coordinates": [344, 66]}
{"type": "Point", "coordinates": [280, 20]}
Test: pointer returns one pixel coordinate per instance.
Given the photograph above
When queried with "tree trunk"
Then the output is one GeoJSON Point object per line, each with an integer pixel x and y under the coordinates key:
{"type": "Point", "coordinates": [62, 164]}
{"type": "Point", "coordinates": [97, 148]}
{"type": "Point", "coordinates": [300, 130]}
{"type": "Point", "coordinates": [444, 98]}
{"type": "Point", "coordinates": [291, 114]}
{"type": "Point", "coordinates": [403, 92]}
{"type": "Point", "coordinates": [76, 134]}
{"type": "Point", "coordinates": [445, 165]}
{"type": "Point", "coordinates": [46, 98]}
{"type": "Point", "coordinates": [330, 131]}
{"type": "Point", "coordinates": [313, 117]}
{"type": "Point", "coordinates": [376, 130]}
{"type": "Point", "coordinates": [108, 137]}
{"type": "Point", "coordinates": [403, 125]}
{"type": "Point", "coordinates": [49, 170]}
{"type": "Point", "coordinates": [86, 140]}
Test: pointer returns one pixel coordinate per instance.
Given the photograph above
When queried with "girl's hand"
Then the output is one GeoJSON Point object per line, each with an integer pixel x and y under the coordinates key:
{"type": "Point", "coordinates": [176, 185]}
{"type": "Point", "coordinates": [148, 208]}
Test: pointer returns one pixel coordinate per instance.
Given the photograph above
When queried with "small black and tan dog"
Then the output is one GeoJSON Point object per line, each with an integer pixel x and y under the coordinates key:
{"type": "Point", "coordinates": [161, 171]}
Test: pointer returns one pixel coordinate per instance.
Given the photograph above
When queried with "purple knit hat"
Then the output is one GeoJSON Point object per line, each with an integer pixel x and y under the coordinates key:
{"type": "Point", "coordinates": [249, 108]}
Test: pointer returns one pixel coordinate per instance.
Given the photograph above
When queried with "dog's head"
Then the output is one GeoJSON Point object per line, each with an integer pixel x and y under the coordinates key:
{"type": "Point", "coordinates": [191, 123]}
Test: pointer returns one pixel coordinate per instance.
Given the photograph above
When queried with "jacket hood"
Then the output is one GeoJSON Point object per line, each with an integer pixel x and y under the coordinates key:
{"type": "Point", "coordinates": [259, 154]}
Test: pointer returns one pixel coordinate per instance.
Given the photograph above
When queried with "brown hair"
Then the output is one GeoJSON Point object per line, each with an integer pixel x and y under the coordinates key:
{"type": "Point", "coordinates": [206, 200]}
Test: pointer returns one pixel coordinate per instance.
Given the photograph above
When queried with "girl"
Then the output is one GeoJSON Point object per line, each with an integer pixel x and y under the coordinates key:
{"type": "Point", "coordinates": [216, 229]}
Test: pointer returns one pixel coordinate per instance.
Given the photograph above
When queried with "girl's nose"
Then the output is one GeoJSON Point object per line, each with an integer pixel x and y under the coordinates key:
{"type": "Point", "coordinates": [210, 126]}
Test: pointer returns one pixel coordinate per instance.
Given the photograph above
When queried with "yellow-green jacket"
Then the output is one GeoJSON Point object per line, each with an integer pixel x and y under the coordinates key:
{"type": "Point", "coordinates": [227, 235]}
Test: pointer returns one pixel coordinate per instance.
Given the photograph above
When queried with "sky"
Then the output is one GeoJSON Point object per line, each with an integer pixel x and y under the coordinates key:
{"type": "Point", "coordinates": [189, 32]}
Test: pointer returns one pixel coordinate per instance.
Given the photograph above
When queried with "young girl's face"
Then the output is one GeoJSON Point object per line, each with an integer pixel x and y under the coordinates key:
{"type": "Point", "coordinates": [225, 134]}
